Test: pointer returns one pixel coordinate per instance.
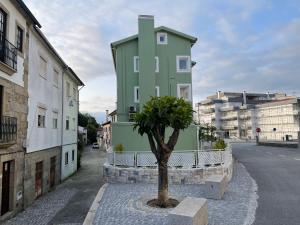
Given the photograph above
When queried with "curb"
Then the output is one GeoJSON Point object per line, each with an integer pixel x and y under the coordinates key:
{"type": "Point", "coordinates": [89, 219]}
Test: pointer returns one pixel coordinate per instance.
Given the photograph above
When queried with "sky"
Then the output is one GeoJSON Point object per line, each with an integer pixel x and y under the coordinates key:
{"type": "Point", "coordinates": [251, 45]}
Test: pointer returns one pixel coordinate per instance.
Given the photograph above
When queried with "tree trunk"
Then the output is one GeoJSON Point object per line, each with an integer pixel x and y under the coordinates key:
{"type": "Point", "coordinates": [163, 196]}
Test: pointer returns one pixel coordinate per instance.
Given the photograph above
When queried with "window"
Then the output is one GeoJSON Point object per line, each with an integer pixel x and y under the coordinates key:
{"type": "Point", "coordinates": [67, 123]}
{"type": "Point", "coordinates": [41, 117]}
{"type": "Point", "coordinates": [68, 89]}
{"type": "Point", "coordinates": [43, 67]}
{"type": "Point", "coordinates": [20, 39]}
{"type": "Point", "coordinates": [184, 91]}
{"type": "Point", "coordinates": [74, 124]}
{"type": "Point", "coordinates": [66, 158]}
{"type": "Point", "coordinates": [136, 94]}
{"type": "Point", "coordinates": [55, 78]}
{"type": "Point", "coordinates": [183, 64]}
{"type": "Point", "coordinates": [55, 119]}
{"type": "Point", "coordinates": [156, 64]}
{"type": "Point", "coordinates": [162, 38]}
{"type": "Point", "coordinates": [73, 155]}
{"type": "Point", "coordinates": [136, 64]}
{"type": "Point", "coordinates": [157, 91]}
{"type": "Point", "coordinates": [74, 93]}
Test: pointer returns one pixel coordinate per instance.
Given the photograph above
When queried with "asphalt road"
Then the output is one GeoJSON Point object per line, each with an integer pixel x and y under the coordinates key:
{"type": "Point", "coordinates": [277, 174]}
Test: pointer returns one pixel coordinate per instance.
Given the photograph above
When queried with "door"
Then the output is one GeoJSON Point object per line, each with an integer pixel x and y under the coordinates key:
{"type": "Point", "coordinates": [3, 18]}
{"type": "Point", "coordinates": [1, 110]}
{"type": "Point", "coordinates": [52, 171]}
{"type": "Point", "coordinates": [5, 187]}
{"type": "Point", "coordinates": [38, 179]}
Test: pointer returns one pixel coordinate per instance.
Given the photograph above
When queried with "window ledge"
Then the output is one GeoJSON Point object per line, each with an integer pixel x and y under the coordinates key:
{"type": "Point", "coordinates": [7, 69]}
{"type": "Point", "coordinates": [7, 144]}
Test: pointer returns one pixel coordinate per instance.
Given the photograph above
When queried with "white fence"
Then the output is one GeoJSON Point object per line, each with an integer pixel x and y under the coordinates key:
{"type": "Point", "coordinates": [182, 159]}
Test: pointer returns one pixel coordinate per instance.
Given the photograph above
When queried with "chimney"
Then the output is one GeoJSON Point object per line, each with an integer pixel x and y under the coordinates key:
{"type": "Point", "coordinates": [146, 53]}
{"type": "Point", "coordinates": [106, 115]}
{"type": "Point", "coordinates": [218, 94]}
{"type": "Point", "coordinates": [244, 98]}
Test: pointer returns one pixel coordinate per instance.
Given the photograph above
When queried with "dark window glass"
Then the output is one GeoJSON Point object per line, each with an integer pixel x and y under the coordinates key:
{"type": "Point", "coordinates": [19, 39]}
{"type": "Point", "coordinates": [66, 158]}
{"type": "Point", "coordinates": [73, 155]}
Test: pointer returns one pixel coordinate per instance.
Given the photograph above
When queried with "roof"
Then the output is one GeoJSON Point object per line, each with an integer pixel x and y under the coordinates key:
{"type": "Point", "coordinates": [161, 28]}
{"type": "Point", "coordinates": [25, 9]}
{"type": "Point", "coordinates": [105, 123]}
{"type": "Point", "coordinates": [113, 113]}
{"type": "Point", "coordinates": [52, 49]}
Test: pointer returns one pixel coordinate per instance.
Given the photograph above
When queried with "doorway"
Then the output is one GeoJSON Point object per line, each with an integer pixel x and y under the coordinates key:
{"type": "Point", "coordinates": [52, 171]}
{"type": "Point", "coordinates": [5, 187]}
{"type": "Point", "coordinates": [3, 21]}
{"type": "Point", "coordinates": [38, 179]}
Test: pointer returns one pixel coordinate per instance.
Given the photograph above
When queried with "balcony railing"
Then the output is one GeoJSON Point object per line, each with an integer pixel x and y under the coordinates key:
{"type": "Point", "coordinates": [8, 52]}
{"type": "Point", "coordinates": [8, 129]}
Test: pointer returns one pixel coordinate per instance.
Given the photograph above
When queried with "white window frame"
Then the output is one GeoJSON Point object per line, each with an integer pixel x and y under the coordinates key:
{"type": "Point", "coordinates": [158, 35]}
{"type": "Point", "coordinates": [42, 112]}
{"type": "Point", "coordinates": [136, 95]}
{"type": "Point", "coordinates": [190, 90]}
{"type": "Point", "coordinates": [68, 89]}
{"type": "Point", "coordinates": [156, 64]}
{"type": "Point", "coordinates": [55, 118]}
{"type": "Point", "coordinates": [157, 91]}
{"type": "Point", "coordinates": [44, 75]}
{"type": "Point", "coordinates": [136, 64]}
{"type": "Point", "coordinates": [188, 69]}
{"type": "Point", "coordinates": [55, 73]}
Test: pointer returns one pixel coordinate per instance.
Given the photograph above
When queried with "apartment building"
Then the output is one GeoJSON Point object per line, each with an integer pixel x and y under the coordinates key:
{"type": "Point", "coordinates": [15, 20]}
{"type": "Point", "coordinates": [154, 62]}
{"type": "Point", "coordinates": [238, 115]}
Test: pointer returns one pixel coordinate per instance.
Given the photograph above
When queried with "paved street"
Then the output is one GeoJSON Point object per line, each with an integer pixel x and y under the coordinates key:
{"type": "Point", "coordinates": [277, 174]}
{"type": "Point", "coordinates": [71, 200]}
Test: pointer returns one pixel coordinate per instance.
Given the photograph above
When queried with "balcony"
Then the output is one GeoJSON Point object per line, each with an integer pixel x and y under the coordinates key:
{"type": "Point", "coordinates": [8, 56]}
{"type": "Point", "coordinates": [8, 131]}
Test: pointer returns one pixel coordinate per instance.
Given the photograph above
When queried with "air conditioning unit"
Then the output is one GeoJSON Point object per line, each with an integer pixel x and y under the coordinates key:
{"type": "Point", "coordinates": [132, 109]}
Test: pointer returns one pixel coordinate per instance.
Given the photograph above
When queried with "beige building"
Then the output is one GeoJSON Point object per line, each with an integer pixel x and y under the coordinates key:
{"type": "Point", "coordinates": [15, 18]}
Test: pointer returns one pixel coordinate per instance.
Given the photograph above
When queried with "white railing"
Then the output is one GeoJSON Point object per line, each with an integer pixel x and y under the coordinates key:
{"type": "Point", "coordinates": [178, 159]}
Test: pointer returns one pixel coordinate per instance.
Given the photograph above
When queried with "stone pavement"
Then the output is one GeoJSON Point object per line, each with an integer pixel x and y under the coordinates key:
{"type": "Point", "coordinates": [69, 203]}
{"type": "Point", "coordinates": [122, 204]}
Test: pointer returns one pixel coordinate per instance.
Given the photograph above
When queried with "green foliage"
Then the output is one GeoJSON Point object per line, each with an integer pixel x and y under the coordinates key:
{"type": "Point", "coordinates": [91, 133]}
{"type": "Point", "coordinates": [220, 145]}
{"type": "Point", "coordinates": [119, 148]}
{"type": "Point", "coordinates": [88, 121]}
{"type": "Point", "coordinates": [80, 147]}
{"type": "Point", "coordinates": [161, 112]}
{"type": "Point", "coordinates": [207, 133]}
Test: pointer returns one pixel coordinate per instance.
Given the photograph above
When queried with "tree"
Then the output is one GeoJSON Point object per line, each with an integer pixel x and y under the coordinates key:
{"type": "Point", "coordinates": [90, 123]}
{"type": "Point", "coordinates": [158, 114]}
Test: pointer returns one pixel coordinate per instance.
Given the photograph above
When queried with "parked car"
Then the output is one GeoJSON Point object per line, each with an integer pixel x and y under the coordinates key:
{"type": "Point", "coordinates": [95, 145]}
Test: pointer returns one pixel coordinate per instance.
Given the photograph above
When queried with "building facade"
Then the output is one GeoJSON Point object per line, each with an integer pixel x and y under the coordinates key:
{"type": "Point", "coordinates": [155, 62]}
{"type": "Point", "coordinates": [238, 115]}
{"type": "Point", "coordinates": [15, 19]}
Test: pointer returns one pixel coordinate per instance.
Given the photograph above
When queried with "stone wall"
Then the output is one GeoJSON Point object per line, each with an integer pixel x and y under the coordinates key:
{"type": "Point", "coordinates": [30, 172]}
{"type": "Point", "coordinates": [115, 174]}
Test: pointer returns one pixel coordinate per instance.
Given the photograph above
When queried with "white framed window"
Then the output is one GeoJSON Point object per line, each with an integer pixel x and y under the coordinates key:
{"type": "Point", "coordinates": [183, 64]}
{"type": "Point", "coordinates": [136, 94]}
{"type": "Point", "coordinates": [74, 124]}
{"type": "Point", "coordinates": [43, 67]}
{"type": "Point", "coordinates": [74, 93]}
{"type": "Point", "coordinates": [41, 117]}
{"type": "Point", "coordinates": [156, 64]}
{"type": "Point", "coordinates": [68, 89]}
{"type": "Point", "coordinates": [157, 91]}
{"type": "Point", "coordinates": [184, 91]}
{"type": "Point", "coordinates": [162, 38]}
{"type": "Point", "coordinates": [55, 78]}
{"type": "Point", "coordinates": [67, 123]}
{"type": "Point", "coordinates": [136, 64]}
{"type": "Point", "coordinates": [66, 158]}
{"type": "Point", "coordinates": [55, 120]}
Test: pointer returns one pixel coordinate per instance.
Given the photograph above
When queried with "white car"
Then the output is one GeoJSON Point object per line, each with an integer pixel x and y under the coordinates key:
{"type": "Point", "coordinates": [95, 145]}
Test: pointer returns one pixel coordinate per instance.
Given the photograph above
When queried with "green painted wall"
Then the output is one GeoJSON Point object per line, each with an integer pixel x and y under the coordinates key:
{"type": "Point", "coordinates": [122, 133]}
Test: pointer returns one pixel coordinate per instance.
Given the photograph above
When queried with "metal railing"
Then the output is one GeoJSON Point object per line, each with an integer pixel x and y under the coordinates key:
{"type": "Point", "coordinates": [8, 129]}
{"type": "Point", "coordinates": [182, 159]}
{"type": "Point", "coordinates": [8, 52]}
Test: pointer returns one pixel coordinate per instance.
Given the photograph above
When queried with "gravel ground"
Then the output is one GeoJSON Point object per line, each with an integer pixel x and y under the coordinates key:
{"type": "Point", "coordinates": [122, 203]}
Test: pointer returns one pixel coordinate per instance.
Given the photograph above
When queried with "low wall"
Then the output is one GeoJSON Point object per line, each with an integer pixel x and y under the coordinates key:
{"type": "Point", "coordinates": [116, 174]}
{"type": "Point", "coordinates": [279, 144]}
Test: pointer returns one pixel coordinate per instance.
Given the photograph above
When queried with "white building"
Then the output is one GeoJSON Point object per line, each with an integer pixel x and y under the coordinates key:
{"type": "Point", "coordinates": [83, 132]}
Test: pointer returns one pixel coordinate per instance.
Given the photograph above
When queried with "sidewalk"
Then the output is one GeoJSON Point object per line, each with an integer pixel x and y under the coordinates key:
{"type": "Point", "coordinates": [71, 200]}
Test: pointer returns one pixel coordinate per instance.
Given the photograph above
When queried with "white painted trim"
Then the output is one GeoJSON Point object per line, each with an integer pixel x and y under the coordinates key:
{"type": "Point", "coordinates": [135, 64]}
{"type": "Point", "coordinates": [158, 35]}
{"type": "Point", "coordinates": [157, 91]}
{"type": "Point", "coordinates": [136, 95]}
{"type": "Point", "coordinates": [188, 70]}
{"type": "Point", "coordinates": [185, 85]}
{"type": "Point", "coordinates": [156, 64]}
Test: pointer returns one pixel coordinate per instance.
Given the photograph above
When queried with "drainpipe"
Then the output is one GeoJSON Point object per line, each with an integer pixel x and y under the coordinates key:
{"type": "Point", "coordinates": [62, 117]}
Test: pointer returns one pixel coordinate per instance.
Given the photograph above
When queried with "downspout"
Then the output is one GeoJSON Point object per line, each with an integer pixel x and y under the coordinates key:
{"type": "Point", "coordinates": [62, 118]}
{"type": "Point", "coordinates": [77, 125]}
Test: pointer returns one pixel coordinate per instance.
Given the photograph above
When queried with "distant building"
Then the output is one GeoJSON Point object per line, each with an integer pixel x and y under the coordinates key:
{"type": "Point", "coordinates": [83, 132]}
{"type": "Point", "coordinates": [237, 115]}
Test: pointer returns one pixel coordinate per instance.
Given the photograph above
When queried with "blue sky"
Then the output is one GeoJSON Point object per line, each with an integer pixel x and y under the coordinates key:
{"type": "Point", "coordinates": [251, 45]}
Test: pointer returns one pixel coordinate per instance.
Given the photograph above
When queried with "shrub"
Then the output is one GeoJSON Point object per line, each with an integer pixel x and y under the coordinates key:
{"type": "Point", "coordinates": [220, 145]}
{"type": "Point", "coordinates": [119, 148]}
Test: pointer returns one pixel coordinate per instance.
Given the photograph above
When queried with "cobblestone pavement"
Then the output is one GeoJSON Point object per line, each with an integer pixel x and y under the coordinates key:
{"type": "Point", "coordinates": [69, 203]}
{"type": "Point", "coordinates": [119, 205]}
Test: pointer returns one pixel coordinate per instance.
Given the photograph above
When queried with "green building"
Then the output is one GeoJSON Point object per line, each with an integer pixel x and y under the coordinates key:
{"type": "Point", "coordinates": [155, 62]}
